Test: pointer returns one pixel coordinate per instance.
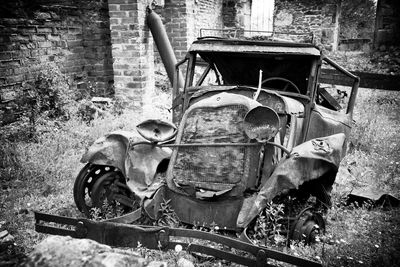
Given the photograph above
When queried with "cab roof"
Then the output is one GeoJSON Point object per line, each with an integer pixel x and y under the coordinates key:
{"type": "Point", "coordinates": [216, 44]}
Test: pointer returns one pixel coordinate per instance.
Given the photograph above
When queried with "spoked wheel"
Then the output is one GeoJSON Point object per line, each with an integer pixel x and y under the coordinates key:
{"type": "Point", "coordinates": [308, 225]}
{"type": "Point", "coordinates": [97, 184]}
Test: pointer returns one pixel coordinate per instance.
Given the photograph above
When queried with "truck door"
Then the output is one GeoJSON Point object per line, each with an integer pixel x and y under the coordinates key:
{"type": "Point", "coordinates": [334, 101]}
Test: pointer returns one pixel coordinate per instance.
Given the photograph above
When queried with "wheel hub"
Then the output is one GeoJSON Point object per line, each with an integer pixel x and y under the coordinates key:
{"type": "Point", "coordinates": [104, 189]}
{"type": "Point", "coordinates": [307, 226]}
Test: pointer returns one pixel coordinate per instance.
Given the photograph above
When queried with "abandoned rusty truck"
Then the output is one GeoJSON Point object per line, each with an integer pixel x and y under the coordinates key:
{"type": "Point", "coordinates": [253, 126]}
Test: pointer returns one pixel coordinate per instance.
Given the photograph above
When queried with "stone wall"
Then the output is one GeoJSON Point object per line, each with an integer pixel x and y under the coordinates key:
{"type": "Point", "coordinates": [387, 24]}
{"type": "Point", "coordinates": [303, 16]}
{"type": "Point", "coordinates": [73, 34]}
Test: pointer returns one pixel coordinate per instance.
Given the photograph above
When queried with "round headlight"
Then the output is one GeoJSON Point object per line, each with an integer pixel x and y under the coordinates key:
{"type": "Point", "coordinates": [156, 130]}
{"type": "Point", "coordinates": [261, 123]}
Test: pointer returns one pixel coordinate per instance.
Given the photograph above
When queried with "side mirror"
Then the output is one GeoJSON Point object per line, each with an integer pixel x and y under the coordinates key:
{"type": "Point", "coordinates": [261, 123]}
{"type": "Point", "coordinates": [156, 130]}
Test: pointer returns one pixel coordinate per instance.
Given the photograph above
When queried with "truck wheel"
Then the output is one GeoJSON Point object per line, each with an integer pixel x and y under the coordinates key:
{"type": "Point", "coordinates": [308, 225]}
{"type": "Point", "coordinates": [84, 183]}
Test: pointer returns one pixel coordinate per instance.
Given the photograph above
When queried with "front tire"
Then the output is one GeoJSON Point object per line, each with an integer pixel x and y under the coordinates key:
{"type": "Point", "coordinates": [85, 182]}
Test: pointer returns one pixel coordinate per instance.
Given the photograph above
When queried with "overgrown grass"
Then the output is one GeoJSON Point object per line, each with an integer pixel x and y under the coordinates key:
{"type": "Point", "coordinates": [40, 175]}
{"type": "Point", "coordinates": [375, 140]}
{"type": "Point", "coordinates": [360, 236]}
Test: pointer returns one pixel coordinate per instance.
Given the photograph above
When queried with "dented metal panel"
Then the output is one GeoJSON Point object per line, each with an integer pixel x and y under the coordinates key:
{"type": "Point", "coordinates": [308, 161]}
{"type": "Point", "coordinates": [141, 165]}
{"type": "Point", "coordinates": [109, 150]}
{"type": "Point", "coordinates": [324, 122]}
{"type": "Point", "coordinates": [138, 161]}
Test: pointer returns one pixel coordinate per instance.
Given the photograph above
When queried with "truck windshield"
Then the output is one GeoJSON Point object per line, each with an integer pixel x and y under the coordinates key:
{"type": "Point", "coordinates": [244, 69]}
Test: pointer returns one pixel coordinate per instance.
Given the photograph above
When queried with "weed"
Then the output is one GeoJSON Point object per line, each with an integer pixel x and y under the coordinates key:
{"type": "Point", "coordinates": [267, 228]}
{"type": "Point", "coordinates": [107, 211]}
{"type": "Point", "coordinates": [168, 216]}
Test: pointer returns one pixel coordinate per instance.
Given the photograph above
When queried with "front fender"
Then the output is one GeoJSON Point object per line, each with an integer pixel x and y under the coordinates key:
{"type": "Point", "coordinates": [138, 163]}
{"type": "Point", "coordinates": [316, 159]}
{"type": "Point", "coordinates": [141, 166]}
{"type": "Point", "coordinates": [109, 150]}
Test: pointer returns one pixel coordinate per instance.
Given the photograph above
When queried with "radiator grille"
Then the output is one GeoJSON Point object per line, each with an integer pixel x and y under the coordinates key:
{"type": "Point", "coordinates": [210, 167]}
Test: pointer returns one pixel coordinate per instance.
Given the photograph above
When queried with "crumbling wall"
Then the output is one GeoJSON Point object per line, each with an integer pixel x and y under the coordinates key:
{"type": "Point", "coordinates": [236, 14]}
{"type": "Point", "coordinates": [303, 16]}
{"type": "Point", "coordinates": [73, 34]}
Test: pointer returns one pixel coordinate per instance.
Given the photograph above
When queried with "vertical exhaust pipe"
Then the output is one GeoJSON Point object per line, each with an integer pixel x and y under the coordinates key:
{"type": "Point", "coordinates": [163, 45]}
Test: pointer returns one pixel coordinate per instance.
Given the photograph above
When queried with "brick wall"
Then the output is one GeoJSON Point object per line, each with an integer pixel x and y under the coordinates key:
{"type": "Point", "coordinates": [183, 20]}
{"type": "Point", "coordinates": [132, 51]}
{"type": "Point", "coordinates": [103, 46]}
{"type": "Point", "coordinates": [74, 34]}
{"type": "Point", "coordinates": [208, 14]}
{"type": "Point", "coordinates": [175, 16]}
{"type": "Point", "coordinates": [237, 14]}
{"type": "Point", "coordinates": [301, 16]}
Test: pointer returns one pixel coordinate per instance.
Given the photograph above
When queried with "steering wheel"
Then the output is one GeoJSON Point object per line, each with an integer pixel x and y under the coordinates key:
{"type": "Point", "coordinates": [288, 82]}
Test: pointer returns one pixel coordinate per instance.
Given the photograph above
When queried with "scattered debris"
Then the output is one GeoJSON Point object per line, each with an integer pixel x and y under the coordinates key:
{"type": "Point", "coordinates": [372, 196]}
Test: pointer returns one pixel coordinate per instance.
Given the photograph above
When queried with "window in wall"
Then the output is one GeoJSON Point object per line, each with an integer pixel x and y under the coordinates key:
{"type": "Point", "coordinates": [262, 14]}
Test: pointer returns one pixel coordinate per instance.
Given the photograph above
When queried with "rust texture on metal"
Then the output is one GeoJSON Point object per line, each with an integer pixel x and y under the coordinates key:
{"type": "Point", "coordinates": [136, 160]}
{"type": "Point", "coordinates": [314, 159]}
{"type": "Point", "coordinates": [214, 46]}
{"type": "Point", "coordinates": [117, 234]}
{"type": "Point", "coordinates": [156, 130]}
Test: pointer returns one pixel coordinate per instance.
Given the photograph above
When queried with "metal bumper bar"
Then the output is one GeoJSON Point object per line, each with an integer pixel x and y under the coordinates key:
{"type": "Point", "coordinates": [154, 237]}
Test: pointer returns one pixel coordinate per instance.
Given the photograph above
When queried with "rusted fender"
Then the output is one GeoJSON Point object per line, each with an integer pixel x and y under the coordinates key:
{"type": "Point", "coordinates": [141, 166]}
{"type": "Point", "coordinates": [311, 160]}
{"type": "Point", "coordinates": [138, 161]}
{"type": "Point", "coordinates": [109, 150]}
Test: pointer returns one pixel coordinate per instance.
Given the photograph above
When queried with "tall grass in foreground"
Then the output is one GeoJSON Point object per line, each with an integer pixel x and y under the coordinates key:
{"type": "Point", "coordinates": [40, 175]}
